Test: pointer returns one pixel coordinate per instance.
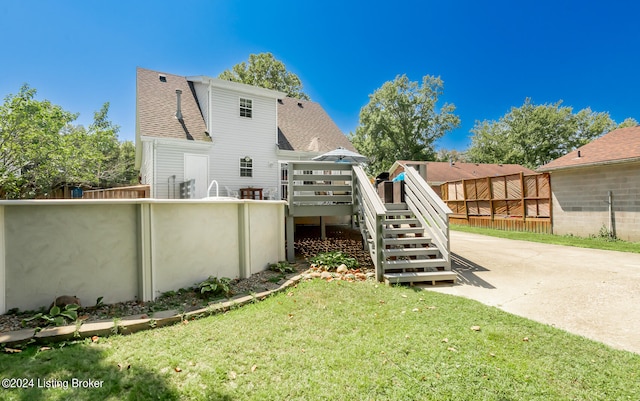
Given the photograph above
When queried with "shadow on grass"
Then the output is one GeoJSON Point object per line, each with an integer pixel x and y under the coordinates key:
{"type": "Point", "coordinates": [81, 372]}
{"type": "Point", "coordinates": [467, 270]}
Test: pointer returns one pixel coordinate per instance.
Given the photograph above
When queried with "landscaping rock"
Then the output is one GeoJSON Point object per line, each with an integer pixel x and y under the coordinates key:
{"type": "Point", "coordinates": [342, 269]}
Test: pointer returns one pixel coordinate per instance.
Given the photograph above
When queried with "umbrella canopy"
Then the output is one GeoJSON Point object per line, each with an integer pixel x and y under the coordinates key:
{"type": "Point", "coordinates": [341, 155]}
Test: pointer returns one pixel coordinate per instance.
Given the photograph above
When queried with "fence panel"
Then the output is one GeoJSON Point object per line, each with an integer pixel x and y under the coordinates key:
{"type": "Point", "coordinates": [510, 202]}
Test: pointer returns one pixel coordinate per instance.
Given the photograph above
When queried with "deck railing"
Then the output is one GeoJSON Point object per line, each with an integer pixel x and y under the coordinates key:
{"type": "Point", "coordinates": [429, 209]}
{"type": "Point", "coordinates": [371, 212]}
{"type": "Point", "coordinates": [319, 189]}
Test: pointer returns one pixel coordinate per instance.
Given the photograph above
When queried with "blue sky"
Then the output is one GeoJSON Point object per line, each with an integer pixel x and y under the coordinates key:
{"type": "Point", "coordinates": [491, 55]}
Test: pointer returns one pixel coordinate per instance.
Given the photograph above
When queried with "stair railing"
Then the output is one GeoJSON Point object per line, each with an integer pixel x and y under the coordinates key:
{"type": "Point", "coordinates": [432, 212]}
{"type": "Point", "coordinates": [372, 214]}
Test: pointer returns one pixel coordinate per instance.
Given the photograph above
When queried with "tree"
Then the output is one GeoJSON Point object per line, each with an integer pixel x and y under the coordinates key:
{"type": "Point", "coordinates": [401, 122]}
{"type": "Point", "coordinates": [265, 71]}
{"type": "Point", "coordinates": [628, 122]}
{"type": "Point", "coordinates": [40, 149]}
{"type": "Point", "coordinates": [33, 155]}
{"type": "Point", "coordinates": [532, 135]}
{"type": "Point", "coordinates": [445, 155]}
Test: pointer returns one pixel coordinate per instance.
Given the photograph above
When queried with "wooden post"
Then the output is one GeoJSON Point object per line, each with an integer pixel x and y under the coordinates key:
{"type": "Point", "coordinates": [490, 187]}
{"type": "Point", "coordinates": [464, 196]}
{"type": "Point", "coordinates": [522, 198]}
{"type": "Point", "coordinates": [323, 229]}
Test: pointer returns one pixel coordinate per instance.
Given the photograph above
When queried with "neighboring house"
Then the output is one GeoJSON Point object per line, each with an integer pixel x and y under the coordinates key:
{"type": "Point", "coordinates": [437, 173]}
{"type": "Point", "coordinates": [208, 129]}
{"type": "Point", "coordinates": [598, 185]}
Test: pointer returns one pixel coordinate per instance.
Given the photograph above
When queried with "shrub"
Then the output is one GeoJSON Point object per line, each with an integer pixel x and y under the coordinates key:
{"type": "Point", "coordinates": [331, 260]}
{"type": "Point", "coordinates": [214, 286]}
{"type": "Point", "coordinates": [282, 267]}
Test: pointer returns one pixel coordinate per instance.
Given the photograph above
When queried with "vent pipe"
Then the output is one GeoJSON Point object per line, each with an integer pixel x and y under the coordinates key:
{"type": "Point", "coordinates": [579, 155]}
{"type": "Point", "coordinates": [178, 107]}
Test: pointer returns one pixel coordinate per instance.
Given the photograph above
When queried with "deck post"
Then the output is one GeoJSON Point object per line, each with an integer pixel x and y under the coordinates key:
{"type": "Point", "coordinates": [323, 228]}
{"type": "Point", "coordinates": [291, 254]}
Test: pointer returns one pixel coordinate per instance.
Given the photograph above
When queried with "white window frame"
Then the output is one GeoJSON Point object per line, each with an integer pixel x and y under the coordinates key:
{"type": "Point", "coordinates": [246, 167]}
{"type": "Point", "coordinates": [245, 106]}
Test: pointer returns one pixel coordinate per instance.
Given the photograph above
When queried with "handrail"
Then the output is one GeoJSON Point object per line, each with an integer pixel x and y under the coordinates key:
{"type": "Point", "coordinates": [373, 213]}
{"type": "Point", "coordinates": [427, 206]}
{"type": "Point", "coordinates": [209, 189]}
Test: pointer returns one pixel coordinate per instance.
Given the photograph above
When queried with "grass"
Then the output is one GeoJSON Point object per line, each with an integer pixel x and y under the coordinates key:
{"type": "Point", "coordinates": [338, 341]}
{"type": "Point", "coordinates": [593, 242]}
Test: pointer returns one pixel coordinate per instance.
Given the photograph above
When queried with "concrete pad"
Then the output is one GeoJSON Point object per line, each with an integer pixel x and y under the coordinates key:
{"type": "Point", "coordinates": [589, 292]}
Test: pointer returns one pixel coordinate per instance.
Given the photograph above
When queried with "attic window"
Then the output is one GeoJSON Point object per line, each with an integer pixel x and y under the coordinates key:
{"type": "Point", "coordinates": [246, 107]}
{"type": "Point", "coordinates": [162, 78]}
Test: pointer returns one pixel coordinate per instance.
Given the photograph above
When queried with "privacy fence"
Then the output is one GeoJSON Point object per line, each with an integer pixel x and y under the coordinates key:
{"type": "Point", "coordinates": [515, 202]}
{"type": "Point", "coordinates": [129, 249]}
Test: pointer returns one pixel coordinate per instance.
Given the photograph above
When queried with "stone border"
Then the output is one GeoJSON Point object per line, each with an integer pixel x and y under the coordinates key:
{"type": "Point", "coordinates": [135, 323]}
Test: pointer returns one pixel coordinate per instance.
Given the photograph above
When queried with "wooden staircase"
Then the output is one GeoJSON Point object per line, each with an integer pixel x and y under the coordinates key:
{"type": "Point", "coordinates": [408, 254]}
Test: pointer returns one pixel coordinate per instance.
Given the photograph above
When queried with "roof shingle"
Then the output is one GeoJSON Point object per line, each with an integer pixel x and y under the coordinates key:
{"type": "Point", "coordinates": [305, 126]}
{"type": "Point", "coordinates": [622, 144]}
{"type": "Point", "coordinates": [156, 107]}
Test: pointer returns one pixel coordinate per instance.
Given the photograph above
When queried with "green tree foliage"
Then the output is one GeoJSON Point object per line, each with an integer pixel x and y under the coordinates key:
{"type": "Point", "coordinates": [33, 155]}
{"type": "Point", "coordinates": [628, 122]}
{"type": "Point", "coordinates": [532, 135]}
{"type": "Point", "coordinates": [402, 122]}
{"type": "Point", "coordinates": [40, 149]}
{"type": "Point", "coordinates": [445, 155]}
{"type": "Point", "coordinates": [265, 71]}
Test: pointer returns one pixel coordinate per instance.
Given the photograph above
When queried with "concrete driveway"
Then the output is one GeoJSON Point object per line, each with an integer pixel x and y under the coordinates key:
{"type": "Point", "coordinates": [592, 293]}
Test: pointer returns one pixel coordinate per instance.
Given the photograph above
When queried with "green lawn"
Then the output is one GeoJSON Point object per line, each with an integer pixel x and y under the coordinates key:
{"type": "Point", "coordinates": [595, 242]}
{"type": "Point", "coordinates": [337, 341]}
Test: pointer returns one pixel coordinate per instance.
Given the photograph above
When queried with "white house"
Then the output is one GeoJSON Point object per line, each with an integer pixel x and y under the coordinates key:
{"type": "Point", "coordinates": [206, 129]}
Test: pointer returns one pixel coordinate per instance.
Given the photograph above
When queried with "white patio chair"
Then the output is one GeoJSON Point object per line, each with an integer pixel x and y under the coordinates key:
{"type": "Point", "coordinates": [231, 193]}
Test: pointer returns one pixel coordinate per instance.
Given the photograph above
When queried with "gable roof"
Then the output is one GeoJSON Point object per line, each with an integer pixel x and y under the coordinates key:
{"type": "Point", "coordinates": [305, 126]}
{"type": "Point", "coordinates": [156, 104]}
{"type": "Point", "coordinates": [618, 146]}
{"type": "Point", "coordinates": [440, 172]}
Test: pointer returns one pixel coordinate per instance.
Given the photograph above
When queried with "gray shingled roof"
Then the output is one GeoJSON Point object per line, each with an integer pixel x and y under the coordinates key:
{"type": "Point", "coordinates": [305, 126]}
{"type": "Point", "coordinates": [620, 145]}
{"type": "Point", "coordinates": [156, 107]}
{"type": "Point", "coordinates": [302, 125]}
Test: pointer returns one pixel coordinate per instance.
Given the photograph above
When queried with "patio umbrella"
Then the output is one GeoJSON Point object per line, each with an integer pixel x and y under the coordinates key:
{"type": "Point", "coordinates": [341, 155]}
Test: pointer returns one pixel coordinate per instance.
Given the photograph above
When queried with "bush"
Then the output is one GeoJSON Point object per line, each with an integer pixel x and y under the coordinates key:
{"type": "Point", "coordinates": [282, 267]}
{"type": "Point", "coordinates": [214, 286]}
{"type": "Point", "coordinates": [331, 260]}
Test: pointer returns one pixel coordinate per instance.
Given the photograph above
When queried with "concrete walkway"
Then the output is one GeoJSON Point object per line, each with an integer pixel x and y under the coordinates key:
{"type": "Point", "coordinates": [592, 293]}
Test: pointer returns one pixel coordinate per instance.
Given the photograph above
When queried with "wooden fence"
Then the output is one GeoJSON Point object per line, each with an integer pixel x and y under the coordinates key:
{"type": "Point", "coordinates": [512, 202]}
{"type": "Point", "coordinates": [132, 192]}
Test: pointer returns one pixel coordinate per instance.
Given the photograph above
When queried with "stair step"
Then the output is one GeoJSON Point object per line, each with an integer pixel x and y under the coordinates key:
{"type": "Point", "coordinates": [401, 252]}
{"type": "Point", "coordinates": [398, 213]}
{"type": "Point", "coordinates": [396, 222]}
{"type": "Point", "coordinates": [395, 206]}
{"type": "Point", "coordinates": [413, 263]}
{"type": "Point", "coordinates": [396, 278]}
{"type": "Point", "coordinates": [403, 230]}
{"type": "Point", "coordinates": [406, 241]}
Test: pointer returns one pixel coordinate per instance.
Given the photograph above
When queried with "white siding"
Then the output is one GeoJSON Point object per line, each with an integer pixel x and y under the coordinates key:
{"type": "Point", "coordinates": [202, 95]}
{"type": "Point", "coordinates": [235, 137]}
{"type": "Point", "coordinates": [169, 161]}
